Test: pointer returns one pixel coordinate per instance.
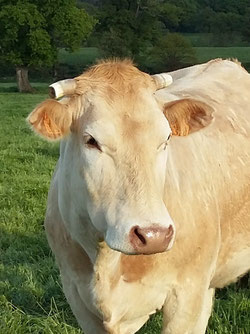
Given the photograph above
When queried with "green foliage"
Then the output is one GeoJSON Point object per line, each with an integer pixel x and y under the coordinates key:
{"type": "Point", "coordinates": [246, 25]}
{"type": "Point", "coordinates": [24, 40]}
{"type": "Point", "coordinates": [79, 24]}
{"type": "Point", "coordinates": [31, 30]}
{"type": "Point", "coordinates": [113, 45]}
{"type": "Point", "coordinates": [170, 14]}
{"type": "Point", "coordinates": [171, 52]}
{"type": "Point", "coordinates": [129, 26]}
{"type": "Point", "coordinates": [223, 18]}
{"type": "Point", "coordinates": [188, 9]}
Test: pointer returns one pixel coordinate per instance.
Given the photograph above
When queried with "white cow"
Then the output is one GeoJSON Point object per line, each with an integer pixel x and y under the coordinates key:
{"type": "Point", "coordinates": [139, 222]}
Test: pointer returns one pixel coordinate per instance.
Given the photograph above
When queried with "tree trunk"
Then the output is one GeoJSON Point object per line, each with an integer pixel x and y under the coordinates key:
{"type": "Point", "coordinates": [23, 80]}
{"type": "Point", "coordinates": [55, 73]}
{"type": "Point", "coordinates": [137, 8]}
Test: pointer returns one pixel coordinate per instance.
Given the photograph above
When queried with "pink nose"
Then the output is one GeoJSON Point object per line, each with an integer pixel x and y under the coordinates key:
{"type": "Point", "coordinates": [150, 240]}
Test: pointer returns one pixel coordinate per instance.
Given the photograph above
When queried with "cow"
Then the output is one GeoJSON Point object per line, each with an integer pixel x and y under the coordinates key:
{"type": "Point", "coordinates": [149, 205]}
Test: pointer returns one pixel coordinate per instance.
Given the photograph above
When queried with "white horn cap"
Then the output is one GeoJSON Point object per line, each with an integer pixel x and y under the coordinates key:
{"type": "Point", "coordinates": [162, 80]}
{"type": "Point", "coordinates": [62, 88]}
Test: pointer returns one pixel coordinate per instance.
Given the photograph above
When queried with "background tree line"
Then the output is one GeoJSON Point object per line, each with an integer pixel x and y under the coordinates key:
{"type": "Point", "coordinates": [151, 32]}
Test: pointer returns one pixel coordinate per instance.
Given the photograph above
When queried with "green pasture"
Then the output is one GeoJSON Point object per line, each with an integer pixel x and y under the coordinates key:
{"type": "Point", "coordinates": [31, 298]}
{"type": "Point", "coordinates": [242, 53]}
{"type": "Point", "coordinates": [86, 56]}
{"type": "Point", "coordinates": [73, 64]}
{"type": "Point", "coordinates": [215, 40]}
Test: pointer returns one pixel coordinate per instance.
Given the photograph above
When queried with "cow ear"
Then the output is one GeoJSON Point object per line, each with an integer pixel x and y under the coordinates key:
{"type": "Point", "coordinates": [187, 116]}
{"type": "Point", "coordinates": [51, 119]}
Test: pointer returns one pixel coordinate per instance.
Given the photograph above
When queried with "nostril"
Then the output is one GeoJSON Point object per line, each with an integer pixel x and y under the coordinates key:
{"type": "Point", "coordinates": [170, 231]}
{"type": "Point", "coordinates": [141, 237]}
{"type": "Point", "coordinates": [152, 239]}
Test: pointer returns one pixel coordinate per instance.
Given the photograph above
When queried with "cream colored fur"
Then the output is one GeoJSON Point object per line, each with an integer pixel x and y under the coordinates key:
{"type": "Point", "coordinates": [206, 192]}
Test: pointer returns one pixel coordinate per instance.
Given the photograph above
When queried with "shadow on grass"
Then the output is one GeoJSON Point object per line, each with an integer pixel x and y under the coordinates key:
{"type": "Point", "coordinates": [29, 278]}
{"type": "Point", "coordinates": [10, 89]}
{"type": "Point", "coordinates": [37, 89]}
{"type": "Point", "coordinates": [52, 151]}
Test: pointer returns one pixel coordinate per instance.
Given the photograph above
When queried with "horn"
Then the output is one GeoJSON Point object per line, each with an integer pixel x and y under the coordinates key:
{"type": "Point", "coordinates": [62, 88]}
{"type": "Point", "coordinates": [162, 80]}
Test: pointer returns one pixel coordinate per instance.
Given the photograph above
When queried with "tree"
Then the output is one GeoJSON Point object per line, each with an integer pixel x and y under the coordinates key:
{"type": "Point", "coordinates": [32, 31]}
{"type": "Point", "coordinates": [187, 9]}
{"type": "Point", "coordinates": [128, 25]}
{"type": "Point", "coordinates": [171, 52]}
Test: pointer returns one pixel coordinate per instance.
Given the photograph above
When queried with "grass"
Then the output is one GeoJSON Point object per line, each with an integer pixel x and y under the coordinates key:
{"type": "Point", "coordinates": [31, 298]}
{"type": "Point", "coordinates": [28, 277]}
{"type": "Point", "coordinates": [11, 87]}
{"type": "Point", "coordinates": [72, 64]}
{"type": "Point", "coordinates": [86, 56]}
{"type": "Point", "coordinates": [210, 39]}
{"type": "Point", "coordinates": [206, 53]}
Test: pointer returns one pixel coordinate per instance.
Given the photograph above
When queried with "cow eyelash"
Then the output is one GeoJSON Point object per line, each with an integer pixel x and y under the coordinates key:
{"type": "Point", "coordinates": [165, 144]}
{"type": "Point", "coordinates": [167, 141]}
{"type": "Point", "coordinates": [92, 143]}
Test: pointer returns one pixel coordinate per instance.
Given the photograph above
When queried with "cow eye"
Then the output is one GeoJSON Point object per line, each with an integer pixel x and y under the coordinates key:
{"type": "Point", "coordinates": [91, 142]}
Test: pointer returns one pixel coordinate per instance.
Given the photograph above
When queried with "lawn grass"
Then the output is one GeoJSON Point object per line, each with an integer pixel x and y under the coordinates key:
{"type": "Point", "coordinates": [73, 64]}
{"type": "Point", "coordinates": [11, 87]}
{"type": "Point", "coordinates": [86, 56]}
{"type": "Point", "coordinates": [31, 298]}
{"type": "Point", "coordinates": [206, 53]}
{"type": "Point", "coordinates": [213, 40]}
{"type": "Point", "coordinates": [89, 55]}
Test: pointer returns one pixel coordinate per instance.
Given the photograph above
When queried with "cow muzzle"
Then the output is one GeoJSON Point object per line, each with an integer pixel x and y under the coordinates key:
{"type": "Point", "coordinates": [151, 240]}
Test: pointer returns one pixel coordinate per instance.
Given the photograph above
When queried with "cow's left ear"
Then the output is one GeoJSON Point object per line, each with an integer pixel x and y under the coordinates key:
{"type": "Point", "coordinates": [187, 116]}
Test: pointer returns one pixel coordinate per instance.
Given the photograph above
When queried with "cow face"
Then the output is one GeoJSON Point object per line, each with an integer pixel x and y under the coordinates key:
{"type": "Point", "coordinates": [116, 155]}
{"type": "Point", "coordinates": [123, 159]}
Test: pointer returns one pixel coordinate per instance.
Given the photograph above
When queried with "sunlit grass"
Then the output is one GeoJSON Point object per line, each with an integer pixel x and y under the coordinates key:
{"type": "Point", "coordinates": [206, 53]}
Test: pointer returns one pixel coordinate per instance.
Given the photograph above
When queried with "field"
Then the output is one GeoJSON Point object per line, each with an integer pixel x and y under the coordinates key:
{"type": "Point", "coordinates": [85, 56]}
{"type": "Point", "coordinates": [31, 299]}
{"type": "Point", "coordinates": [206, 53]}
{"type": "Point", "coordinates": [72, 64]}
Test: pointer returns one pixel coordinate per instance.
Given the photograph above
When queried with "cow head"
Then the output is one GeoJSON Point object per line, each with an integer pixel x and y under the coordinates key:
{"type": "Point", "coordinates": [113, 165]}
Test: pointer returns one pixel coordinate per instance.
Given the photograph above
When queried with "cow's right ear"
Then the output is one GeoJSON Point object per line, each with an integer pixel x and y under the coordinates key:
{"type": "Point", "coordinates": [51, 119]}
{"type": "Point", "coordinates": [187, 116]}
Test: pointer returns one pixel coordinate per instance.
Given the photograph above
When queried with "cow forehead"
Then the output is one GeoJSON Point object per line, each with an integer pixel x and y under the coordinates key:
{"type": "Point", "coordinates": [125, 118]}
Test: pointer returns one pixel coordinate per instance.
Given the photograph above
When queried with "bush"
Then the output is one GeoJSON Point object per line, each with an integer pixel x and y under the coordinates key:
{"type": "Point", "coordinates": [112, 45]}
{"type": "Point", "coordinates": [171, 52]}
